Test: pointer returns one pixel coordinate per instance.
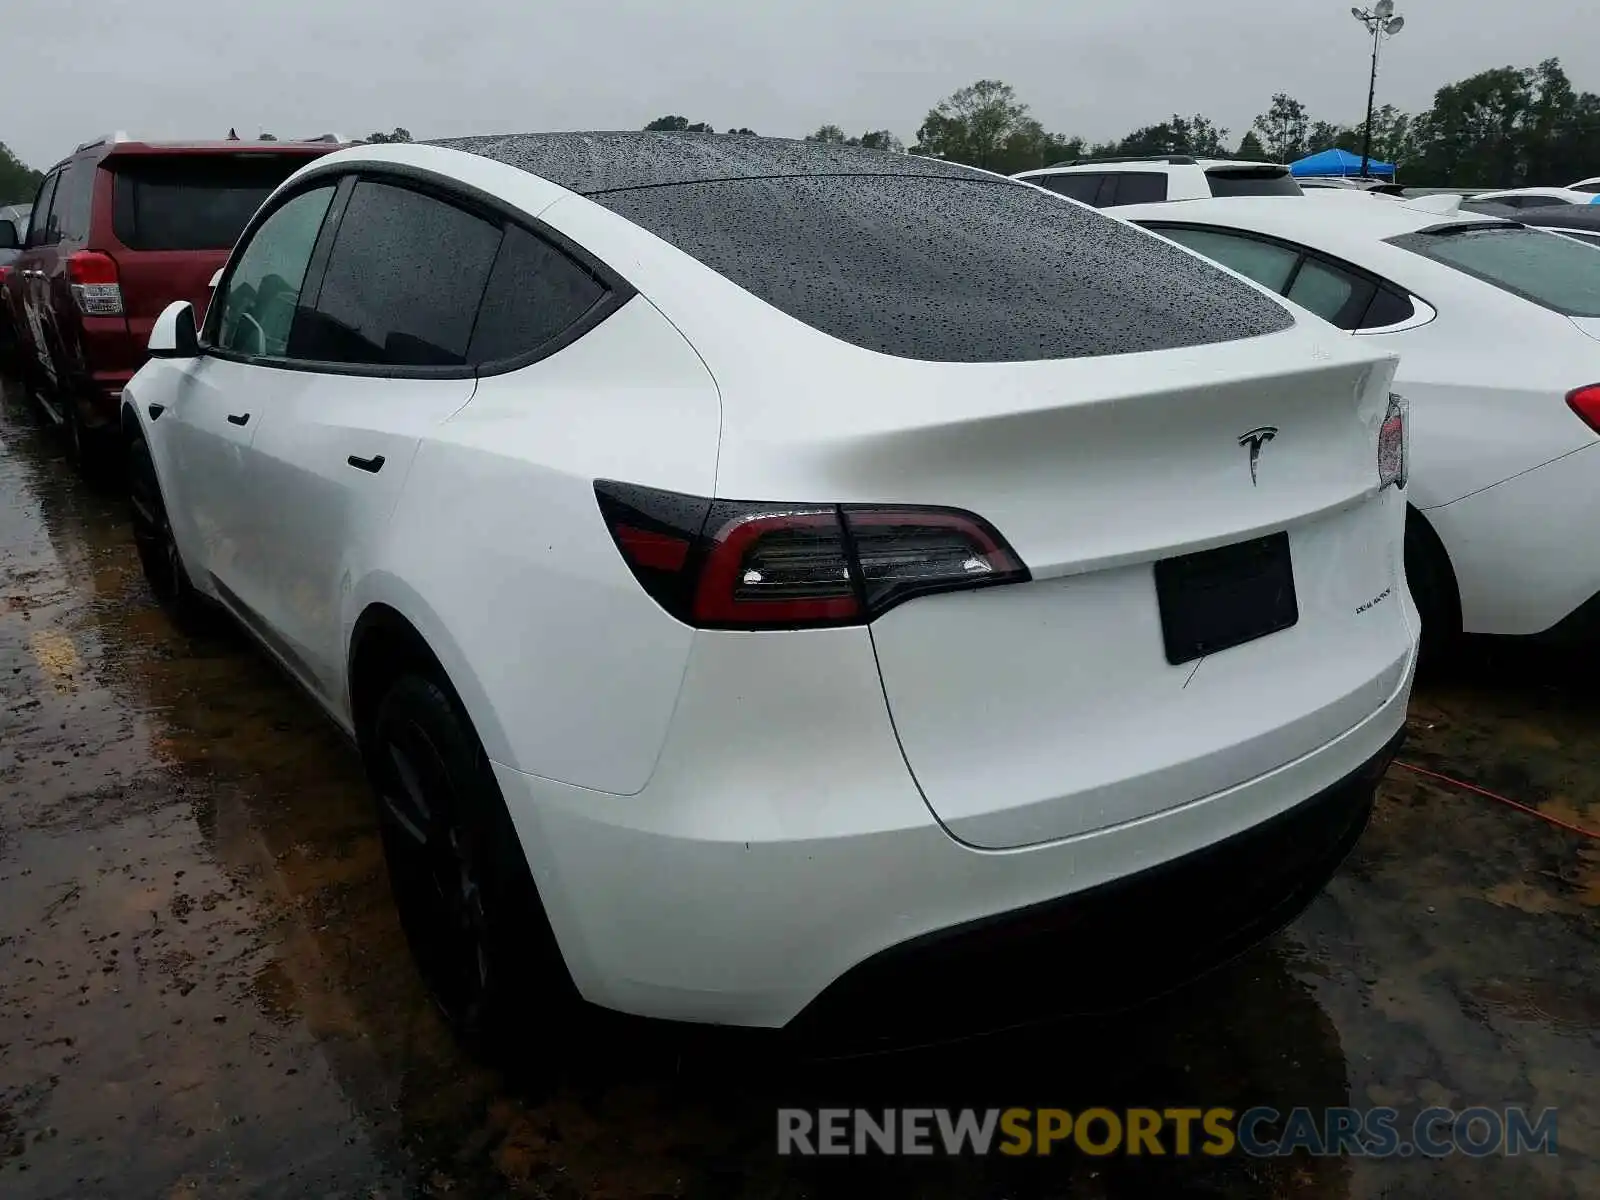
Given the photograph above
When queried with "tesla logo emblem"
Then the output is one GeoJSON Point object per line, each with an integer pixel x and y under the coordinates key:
{"type": "Point", "coordinates": [1256, 439]}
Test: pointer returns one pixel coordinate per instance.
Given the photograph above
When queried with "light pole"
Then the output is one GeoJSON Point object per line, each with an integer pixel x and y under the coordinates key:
{"type": "Point", "coordinates": [1381, 23]}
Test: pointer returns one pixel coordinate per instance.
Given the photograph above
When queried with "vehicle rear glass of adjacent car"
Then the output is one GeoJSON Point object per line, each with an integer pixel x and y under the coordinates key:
{"type": "Point", "coordinates": [192, 201]}
{"type": "Point", "coordinates": [1252, 181]}
{"type": "Point", "coordinates": [1078, 185]}
{"type": "Point", "coordinates": [1555, 273]}
{"type": "Point", "coordinates": [950, 269]}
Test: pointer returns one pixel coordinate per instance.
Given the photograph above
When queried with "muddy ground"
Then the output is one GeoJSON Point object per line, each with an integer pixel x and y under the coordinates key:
{"type": "Point", "coordinates": [204, 991]}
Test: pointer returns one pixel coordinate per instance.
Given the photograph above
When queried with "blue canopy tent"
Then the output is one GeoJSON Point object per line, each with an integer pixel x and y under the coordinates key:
{"type": "Point", "coordinates": [1338, 162]}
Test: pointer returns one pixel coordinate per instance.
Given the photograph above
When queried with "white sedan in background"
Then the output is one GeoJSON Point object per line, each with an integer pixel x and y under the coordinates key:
{"type": "Point", "coordinates": [1536, 197]}
{"type": "Point", "coordinates": [1498, 329]}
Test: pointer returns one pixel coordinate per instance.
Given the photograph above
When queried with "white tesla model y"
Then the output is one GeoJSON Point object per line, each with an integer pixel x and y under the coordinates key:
{"type": "Point", "coordinates": [769, 580]}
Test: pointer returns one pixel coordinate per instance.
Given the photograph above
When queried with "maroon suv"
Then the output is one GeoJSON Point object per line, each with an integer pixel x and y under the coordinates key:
{"type": "Point", "coordinates": [118, 231]}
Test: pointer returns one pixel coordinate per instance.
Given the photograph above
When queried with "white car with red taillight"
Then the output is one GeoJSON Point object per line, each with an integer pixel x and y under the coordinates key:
{"type": "Point", "coordinates": [761, 575]}
{"type": "Point", "coordinates": [1498, 330]}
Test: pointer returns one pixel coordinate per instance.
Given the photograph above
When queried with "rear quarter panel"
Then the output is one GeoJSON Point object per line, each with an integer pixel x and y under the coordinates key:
{"type": "Point", "coordinates": [498, 554]}
{"type": "Point", "coordinates": [1487, 381]}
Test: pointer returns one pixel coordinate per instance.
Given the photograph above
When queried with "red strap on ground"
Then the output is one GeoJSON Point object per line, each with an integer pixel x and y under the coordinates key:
{"type": "Point", "coordinates": [1472, 787]}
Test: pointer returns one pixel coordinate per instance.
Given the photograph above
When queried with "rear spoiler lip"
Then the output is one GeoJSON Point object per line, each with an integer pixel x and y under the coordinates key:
{"type": "Point", "coordinates": [137, 150]}
{"type": "Point", "coordinates": [1264, 170]}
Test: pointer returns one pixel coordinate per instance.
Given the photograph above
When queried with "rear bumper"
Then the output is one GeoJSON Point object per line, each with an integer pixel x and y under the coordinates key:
{"type": "Point", "coordinates": [1108, 947]}
{"type": "Point", "coordinates": [1526, 552]}
{"type": "Point", "coordinates": [781, 843]}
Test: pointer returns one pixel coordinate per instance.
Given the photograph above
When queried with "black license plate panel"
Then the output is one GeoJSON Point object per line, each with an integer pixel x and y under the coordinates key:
{"type": "Point", "coordinates": [1221, 598]}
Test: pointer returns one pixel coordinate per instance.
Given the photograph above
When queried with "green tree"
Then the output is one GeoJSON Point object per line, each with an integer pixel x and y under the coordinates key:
{"type": "Point", "coordinates": [1284, 128]}
{"type": "Point", "coordinates": [1197, 135]}
{"type": "Point", "coordinates": [985, 125]}
{"type": "Point", "coordinates": [399, 135]}
{"type": "Point", "coordinates": [1391, 135]}
{"type": "Point", "coordinates": [18, 181]}
{"type": "Point", "coordinates": [677, 125]}
{"type": "Point", "coordinates": [1504, 127]}
{"type": "Point", "coordinates": [1250, 147]}
{"type": "Point", "coordinates": [972, 125]}
{"type": "Point", "coordinates": [1324, 135]}
{"type": "Point", "coordinates": [875, 139]}
{"type": "Point", "coordinates": [882, 139]}
{"type": "Point", "coordinates": [1475, 130]}
{"type": "Point", "coordinates": [744, 132]}
{"type": "Point", "coordinates": [1204, 138]}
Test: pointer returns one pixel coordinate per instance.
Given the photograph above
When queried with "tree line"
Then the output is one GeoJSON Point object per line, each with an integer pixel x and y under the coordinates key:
{"type": "Point", "coordinates": [1504, 127]}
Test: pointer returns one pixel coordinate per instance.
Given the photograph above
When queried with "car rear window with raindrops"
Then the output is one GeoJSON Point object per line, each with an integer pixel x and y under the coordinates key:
{"type": "Point", "coordinates": [950, 269]}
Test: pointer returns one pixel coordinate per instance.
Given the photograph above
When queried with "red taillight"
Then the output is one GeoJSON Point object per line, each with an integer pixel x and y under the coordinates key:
{"type": "Point", "coordinates": [764, 569]}
{"type": "Point", "coordinates": [1585, 401]}
{"type": "Point", "coordinates": [90, 266]}
{"type": "Point", "coordinates": [719, 564]}
{"type": "Point", "coordinates": [92, 280]}
{"type": "Point", "coordinates": [1392, 444]}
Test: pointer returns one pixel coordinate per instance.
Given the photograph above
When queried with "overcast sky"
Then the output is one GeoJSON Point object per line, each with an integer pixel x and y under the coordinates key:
{"type": "Point", "coordinates": [74, 69]}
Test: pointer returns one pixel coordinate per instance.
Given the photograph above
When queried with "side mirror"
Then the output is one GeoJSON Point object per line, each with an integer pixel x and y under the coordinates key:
{"type": "Point", "coordinates": [8, 235]}
{"type": "Point", "coordinates": [173, 335]}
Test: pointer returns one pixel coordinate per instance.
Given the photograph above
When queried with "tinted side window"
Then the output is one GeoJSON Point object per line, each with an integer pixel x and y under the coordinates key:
{"type": "Point", "coordinates": [1388, 307]}
{"type": "Point", "coordinates": [58, 204]}
{"type": "Point", "coordinates": [257, 306]}
{"type": "Point", "coordinates": [74, 195]}
{"type": "Point", "coordinates": [534, 292]}
{"type": "Point", "coordinates": [403, 284]}
{"type": "Point", "coordinates": [1269, 265]}
{"type": "Point", "coordinates": [1334, 294]}
{"type": "Point", "coordinates": [1079, 185]}
{"type": "Point", "coordinates": [41, 210]}
{"type": "Point", "coordinates": [1140, 187]}
{"type": "Point", "coordinates": [1588, 187]}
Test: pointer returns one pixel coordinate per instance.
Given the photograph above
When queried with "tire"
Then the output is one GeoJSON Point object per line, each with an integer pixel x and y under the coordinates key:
{"type": "Point", "coordinates": [466, 899]}
{"type": "Point", "coordinates": [1433, 589]}
{"type": "Point", "coordinates": [158, 549]}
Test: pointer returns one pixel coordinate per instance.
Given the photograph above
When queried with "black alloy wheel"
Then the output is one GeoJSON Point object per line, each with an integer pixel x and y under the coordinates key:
{"type": "Point", "coordinates": [158, 549]}
{"type": "Point", "coordinates": [466, 899]}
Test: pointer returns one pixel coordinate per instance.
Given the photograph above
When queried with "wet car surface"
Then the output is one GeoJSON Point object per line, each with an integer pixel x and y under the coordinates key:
{"type": "Point", "coordinates": [204, 989]}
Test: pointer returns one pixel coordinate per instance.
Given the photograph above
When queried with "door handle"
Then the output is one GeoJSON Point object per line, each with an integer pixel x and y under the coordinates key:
{"type": "Point", "coordinates": [240, 419]}
{"type": "Point", "coordinates": [373, 464]}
